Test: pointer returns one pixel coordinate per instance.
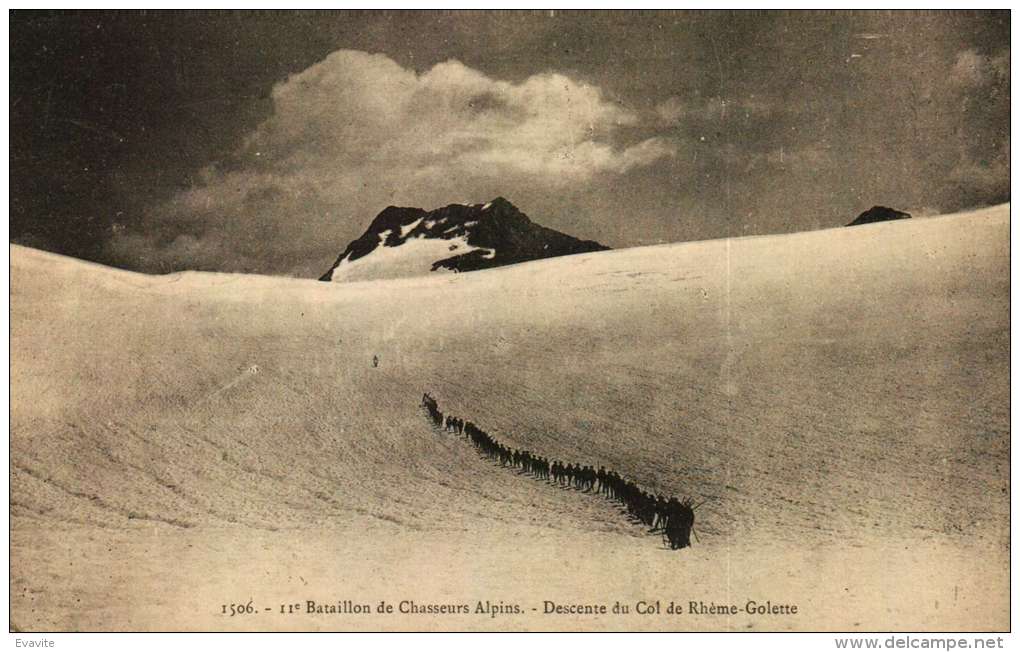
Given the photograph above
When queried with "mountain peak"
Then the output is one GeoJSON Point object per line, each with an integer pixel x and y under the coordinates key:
{"type": "Point", "coordinates": [403, 241]}
{"type": "Point", "coordinates": [500, 202]}
{"type": "Point", "coordinates": [879, 214]}
{"type": "Point", "coordinates": [393, 216]}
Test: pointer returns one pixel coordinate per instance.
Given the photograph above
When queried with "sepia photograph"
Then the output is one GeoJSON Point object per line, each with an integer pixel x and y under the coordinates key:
{"type": "Point", "coordinates": [445, 321]}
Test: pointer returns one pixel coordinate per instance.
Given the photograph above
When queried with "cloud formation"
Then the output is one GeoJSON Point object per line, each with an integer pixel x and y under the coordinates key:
{"type": "Point", "coordinates": [974, 70]}
{"type": "Point", "coordinates": [356, 132]}
{"type": "Point", "coordinates": [713, 109]}
{"type": "Point", "coordinates": [979, 94]}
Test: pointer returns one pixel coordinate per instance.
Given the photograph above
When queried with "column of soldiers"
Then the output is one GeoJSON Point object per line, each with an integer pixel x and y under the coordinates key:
{"type": "Point", "coordinates": [669, 516]}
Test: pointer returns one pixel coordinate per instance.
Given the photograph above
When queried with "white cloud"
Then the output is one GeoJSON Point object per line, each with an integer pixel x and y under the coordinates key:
{"type": "Point", "coordinates": [715, 109]}
{"type": "Point", "coordinates": [671, 109]}
{"type": "Point", "coordinates": [357, 132]}
{"type": "Point", "coordinates": [356, 111]}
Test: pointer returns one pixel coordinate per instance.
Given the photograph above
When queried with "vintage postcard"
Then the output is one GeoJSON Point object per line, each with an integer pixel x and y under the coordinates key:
{"type": "Point", "coordinates": [446, 321]}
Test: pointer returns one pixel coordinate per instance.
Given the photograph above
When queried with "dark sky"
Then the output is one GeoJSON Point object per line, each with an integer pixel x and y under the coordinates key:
{"type": "Point", "coordinates": [264, 142]}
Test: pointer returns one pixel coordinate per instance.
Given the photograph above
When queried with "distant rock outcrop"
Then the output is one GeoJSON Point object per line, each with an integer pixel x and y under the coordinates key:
{"type": "Point", "coordinates": [879, 214]}
{"type": "Point", "coordinates": [458, 237]}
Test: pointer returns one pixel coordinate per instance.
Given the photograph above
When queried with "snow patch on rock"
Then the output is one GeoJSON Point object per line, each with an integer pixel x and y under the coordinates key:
{"type": "Point", "coordinates": [412, 258]}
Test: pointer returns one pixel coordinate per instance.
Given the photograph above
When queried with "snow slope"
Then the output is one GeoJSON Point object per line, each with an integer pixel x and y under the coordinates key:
{"type": "Point", "coordinates": [840, 398]}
